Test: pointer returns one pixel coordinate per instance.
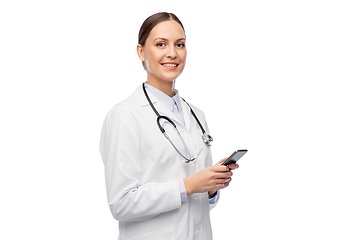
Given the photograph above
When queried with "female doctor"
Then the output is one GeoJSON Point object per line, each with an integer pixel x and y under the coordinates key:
{"type": "Point", "coordinates": [160, 180]}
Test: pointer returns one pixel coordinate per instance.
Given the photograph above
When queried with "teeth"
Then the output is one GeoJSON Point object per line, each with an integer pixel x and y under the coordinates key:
{"type": "Point", "coordinates": [170, 65]}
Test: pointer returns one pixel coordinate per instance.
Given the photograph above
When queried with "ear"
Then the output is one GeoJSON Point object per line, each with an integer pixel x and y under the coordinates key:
{"type": "Point", "coordinates": [140, 52]}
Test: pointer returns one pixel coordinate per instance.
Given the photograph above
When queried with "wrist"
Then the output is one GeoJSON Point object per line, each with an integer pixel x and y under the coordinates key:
{"type": "Point", "coordinates": [188, 186]}
{"type": "Point", "coordinates": [212, 193]}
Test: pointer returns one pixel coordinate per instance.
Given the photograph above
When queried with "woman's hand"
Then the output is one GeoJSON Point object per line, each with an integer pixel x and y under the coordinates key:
{"type": "Point", "coordinates": [210, 179]}
{"type": "Point", "coordinates": [231, 167]}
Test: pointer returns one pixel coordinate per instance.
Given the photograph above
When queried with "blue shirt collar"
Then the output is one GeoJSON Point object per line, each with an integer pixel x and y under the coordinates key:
{"type": "Point", "coordinates": [172, 104]}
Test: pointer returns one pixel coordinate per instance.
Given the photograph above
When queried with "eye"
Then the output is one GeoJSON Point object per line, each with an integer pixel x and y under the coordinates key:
{"type": "Point", "coordinates": [180, 45]}
{"type": "Point", "coordinates": [161, 44]}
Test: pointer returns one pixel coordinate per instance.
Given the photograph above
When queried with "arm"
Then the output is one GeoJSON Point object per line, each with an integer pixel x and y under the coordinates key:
{"type": "Point", "coordinates": [129, 199]}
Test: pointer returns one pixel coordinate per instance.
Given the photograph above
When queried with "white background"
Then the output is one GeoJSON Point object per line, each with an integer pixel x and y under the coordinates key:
{"type": "Point", "coordinates": [280, 78]}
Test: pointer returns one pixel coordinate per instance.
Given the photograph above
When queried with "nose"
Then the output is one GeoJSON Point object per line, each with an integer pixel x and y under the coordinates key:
{"type": "Point", "coordinates": [172, 52]}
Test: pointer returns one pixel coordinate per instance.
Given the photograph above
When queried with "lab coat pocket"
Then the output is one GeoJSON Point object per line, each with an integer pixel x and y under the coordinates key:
{"type": "Point", "coordinates": [167, 233]}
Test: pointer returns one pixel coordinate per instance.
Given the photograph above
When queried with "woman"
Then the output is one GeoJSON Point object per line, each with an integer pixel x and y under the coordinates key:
{"type": "Point", "coordinates": [160, 187]}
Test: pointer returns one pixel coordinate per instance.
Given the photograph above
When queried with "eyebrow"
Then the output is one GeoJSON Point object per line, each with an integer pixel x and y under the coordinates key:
{"type": "Point", "coordinates": [165, 39]}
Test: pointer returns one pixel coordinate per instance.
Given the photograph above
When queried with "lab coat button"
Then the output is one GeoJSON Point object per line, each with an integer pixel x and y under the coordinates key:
{"type": "Point", "coordinates": [198, 227]}
{"type": "Point", "coordinates": [196, 195]}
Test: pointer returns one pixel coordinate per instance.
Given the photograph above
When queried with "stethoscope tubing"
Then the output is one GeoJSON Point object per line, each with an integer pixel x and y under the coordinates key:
{"type": "Point", "coordinates": [206, 138]}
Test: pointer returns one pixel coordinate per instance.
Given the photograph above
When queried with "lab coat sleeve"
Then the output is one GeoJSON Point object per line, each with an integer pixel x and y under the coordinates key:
{"type": "Point", "coordinates": [129, 199]}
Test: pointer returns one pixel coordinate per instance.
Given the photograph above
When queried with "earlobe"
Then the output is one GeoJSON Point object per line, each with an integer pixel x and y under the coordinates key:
{"type": "Point", "coordinates": [140, 52]}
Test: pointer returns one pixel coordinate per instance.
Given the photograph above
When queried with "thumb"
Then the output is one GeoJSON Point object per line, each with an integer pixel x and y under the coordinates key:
{"type": "Point", "coordinates": [221, 161]}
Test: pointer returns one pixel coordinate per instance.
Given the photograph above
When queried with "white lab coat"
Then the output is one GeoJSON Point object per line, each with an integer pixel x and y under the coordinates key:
{"type": "Point", "coordinates": [142, 170]}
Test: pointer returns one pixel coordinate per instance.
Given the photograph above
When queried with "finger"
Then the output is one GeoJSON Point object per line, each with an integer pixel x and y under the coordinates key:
{"type": "Point", "coordinates": [226, 184]}
{"type": "Point", "coordinates": [220, 186]}
{"type": "Point", "coordinates": [224, 175]}
{"type": "Point", "coordinates": [221, 168]}
{"type": "Point", "coordinates": [222, 180]}
{"type": "Point", "coordinates": [233, 166]}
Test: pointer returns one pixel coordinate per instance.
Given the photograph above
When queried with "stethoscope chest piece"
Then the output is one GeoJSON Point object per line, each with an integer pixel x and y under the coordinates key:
{"type": "Point", "coordinates": [207, 139]}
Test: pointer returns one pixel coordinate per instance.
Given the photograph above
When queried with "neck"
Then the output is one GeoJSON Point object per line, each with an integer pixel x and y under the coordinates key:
{"type": "Point", "coordinates": [167, 87]}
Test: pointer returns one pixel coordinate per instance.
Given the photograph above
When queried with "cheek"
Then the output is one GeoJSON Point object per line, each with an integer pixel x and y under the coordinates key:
{"type": "Point", "coordinates": [154, 56]}
{"type": "Point", "coordinates": [149, 60]}
{"type": "Point", "coordinates": [183, 55]}
{"type": "Point", "coordinates": [153, 62]}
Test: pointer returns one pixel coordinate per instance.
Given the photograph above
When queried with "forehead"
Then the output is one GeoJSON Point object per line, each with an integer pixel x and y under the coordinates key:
{"type": "Point", "coordinates": [168, 29]}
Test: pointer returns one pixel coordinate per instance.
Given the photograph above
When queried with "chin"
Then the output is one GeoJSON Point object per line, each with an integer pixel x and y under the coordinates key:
{"type": "Point", "coordinates": [174, 74]}
{"type": "Point", "coordinates": [170, 77]}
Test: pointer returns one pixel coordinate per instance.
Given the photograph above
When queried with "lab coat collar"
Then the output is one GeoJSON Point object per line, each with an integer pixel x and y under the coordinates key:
{"type": "Point", "coordinates": [186, 114]}
{"type": "Point", "coordinates": [161, 108]}
{"type": "Point", "coordinates": [140, 96]}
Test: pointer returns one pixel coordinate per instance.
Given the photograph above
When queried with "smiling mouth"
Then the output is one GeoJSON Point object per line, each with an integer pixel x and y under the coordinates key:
{"type": "Point", "coordinates": [170, 64]}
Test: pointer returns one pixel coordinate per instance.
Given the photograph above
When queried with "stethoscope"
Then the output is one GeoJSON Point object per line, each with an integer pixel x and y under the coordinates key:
{"type": "Point", "coordinates": [206, 137]}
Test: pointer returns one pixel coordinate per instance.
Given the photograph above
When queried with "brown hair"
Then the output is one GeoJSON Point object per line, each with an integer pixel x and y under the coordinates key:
{"type": "Point", "coordinates": [151, 22]}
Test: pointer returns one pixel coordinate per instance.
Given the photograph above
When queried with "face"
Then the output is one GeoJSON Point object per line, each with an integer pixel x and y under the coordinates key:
{"type": "Point", "coordinates": [164, 52]}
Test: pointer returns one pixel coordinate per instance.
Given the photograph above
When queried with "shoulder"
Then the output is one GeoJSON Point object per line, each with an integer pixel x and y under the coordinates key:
{"type": "Point", "coordinates": [126, 108]}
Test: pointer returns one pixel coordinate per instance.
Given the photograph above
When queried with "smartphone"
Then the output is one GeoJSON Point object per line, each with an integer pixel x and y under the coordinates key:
{"type": "Point", "coordinates": [234, 157]}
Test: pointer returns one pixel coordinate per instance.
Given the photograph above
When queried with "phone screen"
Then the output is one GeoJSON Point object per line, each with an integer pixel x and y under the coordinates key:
{"type": "Point", "coordinates": [234, 157]}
